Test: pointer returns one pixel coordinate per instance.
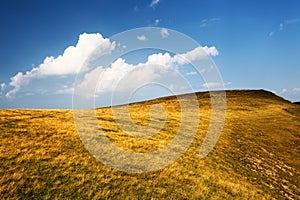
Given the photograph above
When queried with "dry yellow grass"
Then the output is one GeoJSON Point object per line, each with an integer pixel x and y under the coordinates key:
{"type": "Point", "coordinates": [256, 157]}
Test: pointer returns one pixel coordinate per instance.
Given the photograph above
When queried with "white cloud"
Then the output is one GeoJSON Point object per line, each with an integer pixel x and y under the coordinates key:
{"type": "Point", "coordinates": [70, 62]}
{"type": "Point", "coordinates": [212, 85]}
{"type": "Point", "coordinates": [160, 59]}
{"type": "Point", "coordinates": [283, 91]}
{"type": "Point", "coordinates": [292, 94]}
{"type": "Point", "coordinates": [142, 38]}
{"type": "Point", "coordinates": [2, 87]}
{"type": "Point", "coordinates": [154, 3]}
{"type": "Point", "coordinates": [211, 50]}
{"type": "Point", "coordinates": [283, 24]}
{"type": "Point", "coordinates": [65, 90]}
{"type": "Point", "coordinates": [290, 91]}
{"type": "Point", "coordinates": [191, 73]}
{"type": "Point", "coordinates": [164, 33]}
{"type": "Point", "coordinates": [19, 80]}
{"type": "Point", "coordinates": [206, 22]}
{"type": "Point", "coordinates": [156, 22]}
{"type": "Point", "coordinates": [87, 86]}
{"type": "Point", "coordinates": [109, 78]}
{"type": "Point", "coordinates": [280, 26]}
{"type": "Point", "coordinates": [180, 59]}
{"type": "Point", "coordinates": [153, 69]}
{"type": "Point", "coordinates": [291, 21]}
{"type": "Point", "coordinates": [196, 54]}
{"type": "Point", "coordinates": [74, 58]}
{"type": "Point", "coordinates": [215, 85]}
{"type": "Point", "coordinates": [296, 89]}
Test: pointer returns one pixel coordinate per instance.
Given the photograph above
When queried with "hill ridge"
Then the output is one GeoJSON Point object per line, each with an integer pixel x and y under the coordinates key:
{"type": "Point", "coordinates": [256, 157]}
{"type": "Point", "coordinates": [229, 93]}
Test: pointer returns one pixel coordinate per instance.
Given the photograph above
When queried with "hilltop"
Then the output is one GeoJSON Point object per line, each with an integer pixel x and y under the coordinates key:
{"type": "Point", "coordinates": [256, 157]}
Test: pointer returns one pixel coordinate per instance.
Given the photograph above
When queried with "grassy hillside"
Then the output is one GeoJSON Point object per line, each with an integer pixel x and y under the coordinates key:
{"type": "Point", "coordinates": [256, 157]}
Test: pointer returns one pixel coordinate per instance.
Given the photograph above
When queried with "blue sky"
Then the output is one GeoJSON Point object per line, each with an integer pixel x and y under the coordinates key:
{"type": "Point", "coordinates": [257, 41]}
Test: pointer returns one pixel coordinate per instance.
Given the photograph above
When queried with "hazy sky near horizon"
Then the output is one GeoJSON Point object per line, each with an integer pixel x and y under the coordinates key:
{"type": "Point", "coordinates": [255, 44]}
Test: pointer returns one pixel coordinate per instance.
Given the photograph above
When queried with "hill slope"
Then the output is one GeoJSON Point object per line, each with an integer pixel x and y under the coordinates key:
{"type": "Point", "coordinates": [256, 157]}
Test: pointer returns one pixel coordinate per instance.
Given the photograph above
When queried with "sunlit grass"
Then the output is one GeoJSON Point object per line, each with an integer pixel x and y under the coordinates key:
{"type": "Point", "coordinates": [256, 157]}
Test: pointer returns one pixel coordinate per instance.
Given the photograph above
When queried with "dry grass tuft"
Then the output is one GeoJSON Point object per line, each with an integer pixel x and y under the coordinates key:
{"type": "Point", "coordinates": [257, 156]}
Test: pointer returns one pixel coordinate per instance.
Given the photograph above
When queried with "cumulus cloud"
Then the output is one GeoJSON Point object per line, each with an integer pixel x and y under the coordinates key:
{"type": "Point", "coordinates": [180, 59]}
{"type": "Point", "coordinates": [154, 68]}
{"type": "Point", "coordinates": [19, 80]}
{"type": "Point", "coordinates": [142, 38]}
{"type": "Point", "coordinates": [154, 3]}
{"type": "Point", "coordinates": [72, 59]}
{"type": "Point", "coordinates": [164, 33]}
{"type": "Point", "coordinates": [107, 79]}
{"type": "Point", "coordinates": [196, 54]}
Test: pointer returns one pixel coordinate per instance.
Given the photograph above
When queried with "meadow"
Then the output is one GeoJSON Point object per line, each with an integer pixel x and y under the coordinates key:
{"type": "Point", "coordinates": [257, 155]}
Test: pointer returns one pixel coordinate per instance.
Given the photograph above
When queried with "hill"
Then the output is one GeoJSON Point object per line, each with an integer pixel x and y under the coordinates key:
{"type": "Point", "coordinates": [256, 157]}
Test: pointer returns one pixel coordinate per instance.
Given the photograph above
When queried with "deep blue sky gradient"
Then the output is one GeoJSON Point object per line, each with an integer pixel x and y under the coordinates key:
{"type": "Point", "coordinates": [249, 56]}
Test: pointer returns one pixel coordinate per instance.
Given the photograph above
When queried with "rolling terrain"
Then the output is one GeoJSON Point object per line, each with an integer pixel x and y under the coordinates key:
{"type": "Point", "coordinates": [257, 155]}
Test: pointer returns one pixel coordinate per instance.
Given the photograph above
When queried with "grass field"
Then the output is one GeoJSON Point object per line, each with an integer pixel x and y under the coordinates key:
{"type": "Point", "coordinates": [256, 157]}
